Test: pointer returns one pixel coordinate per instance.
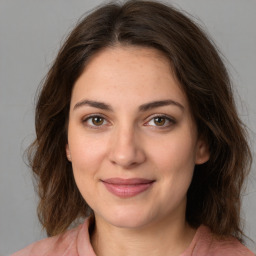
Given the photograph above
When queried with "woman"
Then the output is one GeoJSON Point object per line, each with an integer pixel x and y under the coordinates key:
{"type": "Point", "coordinates": [138, 134]}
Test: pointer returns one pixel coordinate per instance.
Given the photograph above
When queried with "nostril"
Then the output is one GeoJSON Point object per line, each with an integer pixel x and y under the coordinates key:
{"type": "Point", "coordinates": [128, 159]}
{"type": "Point", "coordinates": [125, 149]}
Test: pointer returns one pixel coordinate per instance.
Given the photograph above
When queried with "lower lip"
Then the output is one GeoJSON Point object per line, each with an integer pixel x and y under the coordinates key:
{"type": "Point", "coordinates": [125, 191]}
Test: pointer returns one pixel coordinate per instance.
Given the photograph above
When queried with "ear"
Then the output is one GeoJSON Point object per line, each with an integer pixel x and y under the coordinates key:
{"type": "Point", "coordinates": [202, 152]}
{"type": "Point", "coordinates": [68, 154]}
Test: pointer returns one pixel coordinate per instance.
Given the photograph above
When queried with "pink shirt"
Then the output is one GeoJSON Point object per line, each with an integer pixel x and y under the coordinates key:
{"type": "Point", "coordinates": [76, 242]}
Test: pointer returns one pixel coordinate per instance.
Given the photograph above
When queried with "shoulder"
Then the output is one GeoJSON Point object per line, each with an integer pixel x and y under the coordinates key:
{"type": "Point", "coordinates": [205, 243]}
{"type": "Point", "coordinates": [63, 244]}
{"type": "Point", "coordinates": [229, 247]}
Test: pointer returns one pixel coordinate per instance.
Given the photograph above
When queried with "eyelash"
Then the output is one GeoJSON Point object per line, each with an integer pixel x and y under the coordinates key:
{"type": "Point", "coordinates": [86, 119]}
{"type": "Point", "coordinates": [169, 120]}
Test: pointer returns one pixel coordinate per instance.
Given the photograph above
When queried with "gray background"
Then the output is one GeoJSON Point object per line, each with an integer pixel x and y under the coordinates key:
{"type": "Point", "coordinates": [31, 32]}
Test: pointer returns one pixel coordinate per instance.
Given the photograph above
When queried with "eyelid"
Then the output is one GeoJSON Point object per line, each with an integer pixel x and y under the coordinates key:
{"type": "Point", "coordinates": [167, 117]}
{"type": "Point", "coordinates": [87, 117]}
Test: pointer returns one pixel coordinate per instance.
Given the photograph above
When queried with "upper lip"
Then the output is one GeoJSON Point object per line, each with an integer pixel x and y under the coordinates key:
{"type": "Point", "coordinates": [133, 181]}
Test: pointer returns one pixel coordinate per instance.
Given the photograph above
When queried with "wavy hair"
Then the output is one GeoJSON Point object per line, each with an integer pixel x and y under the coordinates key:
{"type": "Point", "coordinates": [214, 196]}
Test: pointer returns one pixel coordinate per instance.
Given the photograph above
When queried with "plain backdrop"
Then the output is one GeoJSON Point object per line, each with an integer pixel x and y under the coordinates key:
{"type": "Point", "coordinates": [31, 32]}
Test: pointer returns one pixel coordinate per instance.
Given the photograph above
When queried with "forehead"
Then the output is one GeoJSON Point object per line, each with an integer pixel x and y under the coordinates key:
{"type": "Point", "coordinates": [121, 72]}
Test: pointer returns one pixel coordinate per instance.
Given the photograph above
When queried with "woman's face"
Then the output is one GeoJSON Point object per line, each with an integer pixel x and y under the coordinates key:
{"type": "Point", "coordinates": [132, 140]}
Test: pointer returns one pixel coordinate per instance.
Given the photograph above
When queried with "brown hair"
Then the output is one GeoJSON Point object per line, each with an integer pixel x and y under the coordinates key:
{"type": "Point", "coordinates": [214, 194]}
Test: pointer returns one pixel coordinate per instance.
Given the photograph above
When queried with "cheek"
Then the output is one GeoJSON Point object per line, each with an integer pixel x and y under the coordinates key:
{"type": "Point", "coordinates": [87, 157]}
{"type": "Point", "coordinates": [175, 161]}
{"type": "Point", "coordinates": [176, 152]}
{"type": "Point", "coordinates": [87, 153]}
{"type": "Point", "coordinates": [86, 150]}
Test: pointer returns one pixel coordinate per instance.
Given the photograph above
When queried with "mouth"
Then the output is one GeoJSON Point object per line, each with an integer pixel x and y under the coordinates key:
{"type": "Point", "coordinates": [126, 188]}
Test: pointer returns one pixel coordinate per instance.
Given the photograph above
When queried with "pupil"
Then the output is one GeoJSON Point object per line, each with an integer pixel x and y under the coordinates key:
{"type": "Point", "coordinates": [159, 121]}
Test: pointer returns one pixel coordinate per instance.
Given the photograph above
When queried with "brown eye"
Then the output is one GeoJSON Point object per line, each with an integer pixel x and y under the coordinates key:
{"type": "Point", "coordinates": [159, 121]}
{"type": "Point", "coordinates": [97, 120]}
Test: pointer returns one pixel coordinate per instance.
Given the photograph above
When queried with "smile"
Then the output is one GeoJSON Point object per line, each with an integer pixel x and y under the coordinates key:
{"type": "Point", "coordinates": [126, 188]}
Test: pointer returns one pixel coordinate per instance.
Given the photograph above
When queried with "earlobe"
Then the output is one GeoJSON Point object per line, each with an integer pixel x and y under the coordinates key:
{"type": "Point", "coordinates": [202, 153]}
{"type": "Point", "coordinates": [68, 154]}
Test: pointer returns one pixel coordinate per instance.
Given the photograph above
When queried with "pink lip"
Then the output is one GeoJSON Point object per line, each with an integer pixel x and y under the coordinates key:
{"type": "Point", "coordinates": [127, 187]}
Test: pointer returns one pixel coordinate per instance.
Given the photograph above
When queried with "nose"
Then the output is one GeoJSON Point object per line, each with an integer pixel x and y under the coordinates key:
{"type": "Point", "coordinates": [126, 149]}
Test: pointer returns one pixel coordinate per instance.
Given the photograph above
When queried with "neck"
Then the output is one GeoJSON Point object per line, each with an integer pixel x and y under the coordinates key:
{"type": "Point", "coordinates": [163, 237]}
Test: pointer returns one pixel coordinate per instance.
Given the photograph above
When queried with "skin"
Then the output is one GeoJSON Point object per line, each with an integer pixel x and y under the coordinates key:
{"type": "Point", "coordinates": [158, 143]}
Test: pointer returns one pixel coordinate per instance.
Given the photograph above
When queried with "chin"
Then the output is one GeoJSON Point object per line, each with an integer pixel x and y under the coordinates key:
{"type": "Point", "coordinates": [128, 218]}
{"type": "Point", "coordinates": [129, 223]}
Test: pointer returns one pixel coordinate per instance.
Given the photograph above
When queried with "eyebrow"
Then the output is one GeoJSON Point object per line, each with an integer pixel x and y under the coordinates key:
{"type": "Point", "coordinates": [94, 104]}
{"type": "Point", "coordinates": [160, 103]}
{"type": "Point", "coordinates": [142, 108]}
